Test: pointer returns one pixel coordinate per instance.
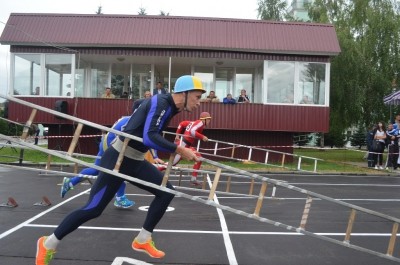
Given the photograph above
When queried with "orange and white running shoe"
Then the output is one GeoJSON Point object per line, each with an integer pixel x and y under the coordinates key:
{"type": "Point", "coordinates": [149, 248]}
{"type": "Point", "coordinates": [43, 255]}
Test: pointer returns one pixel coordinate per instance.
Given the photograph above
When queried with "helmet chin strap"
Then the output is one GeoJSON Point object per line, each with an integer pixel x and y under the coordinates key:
{"type": "Point", "coordinates": [186, 97]}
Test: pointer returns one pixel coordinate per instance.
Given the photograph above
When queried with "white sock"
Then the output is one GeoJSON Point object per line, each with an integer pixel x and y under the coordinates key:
{"type": "Point", "coordinates": [51, 242]}
{"type": "Point", "coordinates": [143, 236]}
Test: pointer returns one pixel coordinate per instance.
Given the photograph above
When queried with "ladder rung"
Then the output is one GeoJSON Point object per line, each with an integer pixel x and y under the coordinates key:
{"type": "Point", "coordinates": [352, 217]}
{"type": "Point", "coordinates": [260, 198]}
{"type": "Point", "coordinates": [75, 139]}
{"type": "Point", "coordinates": [251, 187]}
{"type": "Point", "coordinates": [28, 124]}
{"type": "Point", "coordinates": [228, 184]}
{"type": "Point", "coordinates": [168, 170]}
{"type": "Point", "coordinates": [215, 183]}
{"type": "Point", "coordinates": [306, 211]}
{"type": "Point", "coordinates": [121, 155]}
{"type": "Point", "coordinates": [392, 240]}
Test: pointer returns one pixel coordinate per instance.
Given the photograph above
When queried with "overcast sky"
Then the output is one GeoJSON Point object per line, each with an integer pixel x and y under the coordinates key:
{"type": "Point", "coordinates": [202, 8]}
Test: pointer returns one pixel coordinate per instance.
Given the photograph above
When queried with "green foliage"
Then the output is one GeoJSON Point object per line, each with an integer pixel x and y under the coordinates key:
{"type": "Point", "coordinates": [142, 11]}
{"type": "Point", "coordinates": [271, 9]}
{"type": "Point", "coordinates": [332, 139]}
{"type": "Point", "coordinates": [99, 10]}
{"type": "Point", "coordinates": [361, 75]}
{"type": "Point", "coordinates": [359, 138]}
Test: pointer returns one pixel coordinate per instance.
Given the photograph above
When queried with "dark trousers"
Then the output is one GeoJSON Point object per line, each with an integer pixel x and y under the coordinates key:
{"type": "Point", "coordinates": [37, 136]}
{"type": "Point", "coordinates": [393, 155]}
{"type": "Point", "coordinates": [107, 185]}
{"type": "Point", "coordinates": [378, 155]}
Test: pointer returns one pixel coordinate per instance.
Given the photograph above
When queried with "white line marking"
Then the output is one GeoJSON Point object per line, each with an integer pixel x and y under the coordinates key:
{"type": "Point", "coordinates": [121, 260]}
{"type": "Point", "coordinates": [225, 232]}
{"type": "Point", "coordinates": [6, 233]}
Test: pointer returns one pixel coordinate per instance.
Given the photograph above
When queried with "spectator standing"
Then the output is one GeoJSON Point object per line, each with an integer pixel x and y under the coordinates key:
{"type": "Point", "coordinates": [229, 100]}
{"type": "Point", "coordinates": [380, 136]}
{"type": "Point", "coordinates": [397, 121]}
{"type": "Point", "coordinates": [370, 139]}
{"type": "Point", "coordinates": [159, 89]}
{"type": "Point", "coordinates": [243, 98]}
{"type": "Point", "coordinates": [35, 132]}
{"type": "Point", "coordinates": [108, 93]}
{"type": "Point", "coordinates": [393, 145]}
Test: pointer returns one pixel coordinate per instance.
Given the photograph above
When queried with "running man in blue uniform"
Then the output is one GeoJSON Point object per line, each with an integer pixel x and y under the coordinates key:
{"type": "Point", "coordinates": [120, 198]}
{"type": "Point", "coordinates": [147, 122]}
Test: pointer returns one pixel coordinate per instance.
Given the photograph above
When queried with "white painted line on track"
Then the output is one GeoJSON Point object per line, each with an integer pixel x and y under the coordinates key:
{"type": "Point", "coordinates": [23, 224]}
{"type": "Point", "coordinates": [225, 232]}
{"type": "Point", "coordinates": [122, 260]}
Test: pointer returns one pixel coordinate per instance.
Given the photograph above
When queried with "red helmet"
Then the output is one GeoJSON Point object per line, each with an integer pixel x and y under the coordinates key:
{"type": "Point", "coordinates": [205, 115]}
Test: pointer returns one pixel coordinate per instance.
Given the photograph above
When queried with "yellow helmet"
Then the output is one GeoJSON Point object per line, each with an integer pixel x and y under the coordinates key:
{"type": "Point", "coordinates": [188, 83]}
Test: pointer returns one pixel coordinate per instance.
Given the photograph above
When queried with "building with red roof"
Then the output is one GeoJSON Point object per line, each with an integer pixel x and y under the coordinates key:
{"type": "Point", "coordinates": [70, 59]}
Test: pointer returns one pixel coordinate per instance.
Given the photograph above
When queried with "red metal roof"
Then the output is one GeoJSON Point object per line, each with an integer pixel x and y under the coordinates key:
{"type": "Point", "coordinates": [73, 30]}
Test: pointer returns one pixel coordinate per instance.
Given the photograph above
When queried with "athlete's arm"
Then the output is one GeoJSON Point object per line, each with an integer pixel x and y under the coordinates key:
{"type": "Point", "coordinates": [161, 111]}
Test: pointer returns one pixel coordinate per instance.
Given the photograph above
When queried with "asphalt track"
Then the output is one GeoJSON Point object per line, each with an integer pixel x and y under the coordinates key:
{"type": "Point", "coordinates": [194, 233]}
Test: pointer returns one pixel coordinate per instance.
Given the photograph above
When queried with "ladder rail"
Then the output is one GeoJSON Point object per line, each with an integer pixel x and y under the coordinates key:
{"type": "Point", "coordinates": [72, 118]}
{"type": "Point", "coordinates": [303, 191]}
{"type": "Point", "coordinates": [209, 202]}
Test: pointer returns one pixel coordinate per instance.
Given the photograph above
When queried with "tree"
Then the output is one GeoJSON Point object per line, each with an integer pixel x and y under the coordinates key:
{"type": "Point", "coordinates": [99, 12]}
{"type": "Point", "coordinates": [368, 33]}
{"type": "Point", "coordinates": [162, 13]}
{"type": "Point", "coordinates": [142, 11]}
{"type": "Point", "coordinates": [359, 138]}
{"type": "Point", "coordinates": [271, 9]}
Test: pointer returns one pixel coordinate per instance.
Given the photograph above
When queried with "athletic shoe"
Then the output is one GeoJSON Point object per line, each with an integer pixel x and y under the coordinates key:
{"type": "Point", "coordinates": [43, 255]}
{"type": "Point", "coordinates": [66, 186]}
{"type": "Point", "coordinates": [376, 167]}
{"type": "Point", "coordinates": [380, 167]}
{"type": "Point", "coordinates": [123, 202]}
{"type": "Point", "coordinates": [149, 248]}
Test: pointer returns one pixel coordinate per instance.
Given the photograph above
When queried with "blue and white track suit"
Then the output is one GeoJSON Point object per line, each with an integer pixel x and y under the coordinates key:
{"type": "Point", "coordinates": [147, 122]}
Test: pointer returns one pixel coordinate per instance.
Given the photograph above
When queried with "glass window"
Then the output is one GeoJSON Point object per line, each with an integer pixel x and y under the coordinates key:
{"type": "Point", "coordinates": [311, 83]}
{"type": "Point", "coordinates": [120, 79]}
{"type": "Point", "coordinates": [80, 78]}
{"type": "Point", "coordinates": [280, 82]}
{"type": "Point", "coordinates": [244, 80]}
{"type": "Point", "coordinates": [206, 74]}
{"type": "Point", "coordinates": [99, 77]}
{"type": "Point", "coordinates": [58, 74]}
{"type": "Point", "coordinates": [27, 74]}
{"type": "Point", "coordinates": [141, 80]}
{"type": "Point", "coordinates": [223, 82]}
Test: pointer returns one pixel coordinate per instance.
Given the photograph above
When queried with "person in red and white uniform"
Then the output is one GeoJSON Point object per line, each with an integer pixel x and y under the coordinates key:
{"type": "Point", "coordinates": [192, 131]}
